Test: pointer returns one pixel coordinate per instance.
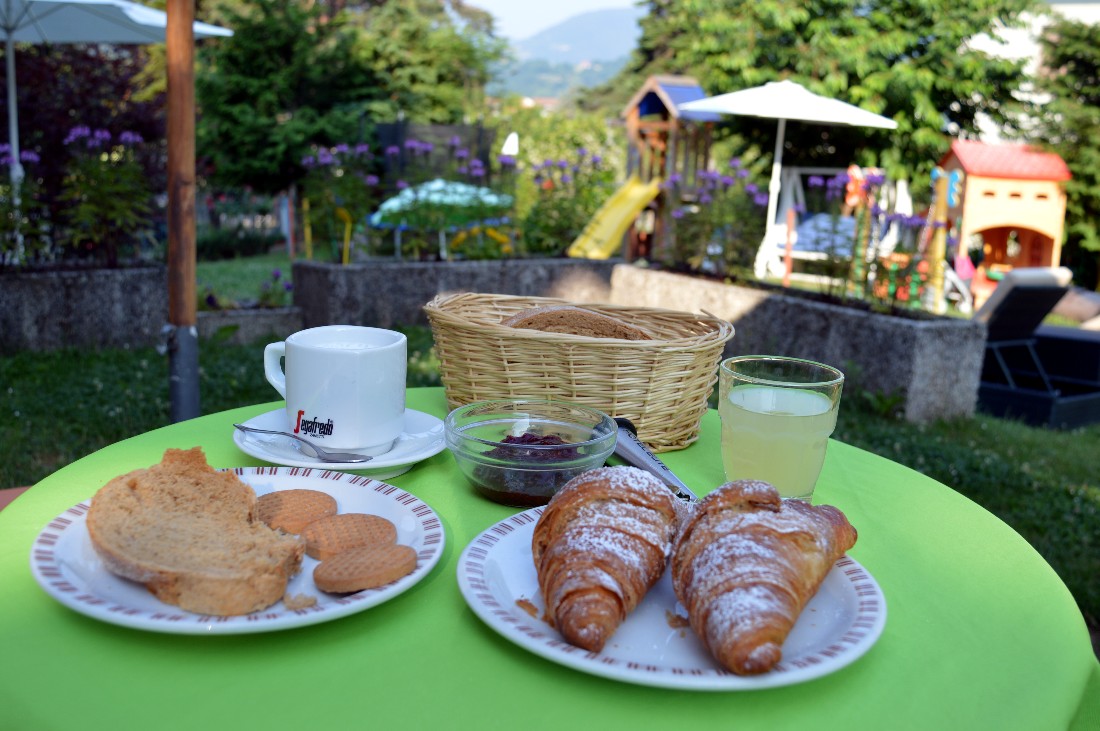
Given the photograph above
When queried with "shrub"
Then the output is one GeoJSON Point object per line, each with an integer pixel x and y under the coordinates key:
{"type": "Point", "coordinates": [107, 194]}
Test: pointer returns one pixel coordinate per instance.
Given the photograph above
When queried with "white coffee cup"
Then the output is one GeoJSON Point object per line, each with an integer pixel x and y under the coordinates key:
{"type": "Point", "coordinates": [344, 385]}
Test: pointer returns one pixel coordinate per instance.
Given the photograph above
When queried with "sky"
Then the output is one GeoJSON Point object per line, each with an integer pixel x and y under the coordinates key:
{"type": "Point", "coordinates": [520, 19]}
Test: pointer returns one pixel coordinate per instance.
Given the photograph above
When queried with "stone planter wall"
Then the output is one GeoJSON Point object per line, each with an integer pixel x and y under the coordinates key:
{"type": "Point", "coordinates": [82, 308]}
{"type": "Point", "coordinates": [934, 364]}
{"type": "Point", "coordinates": [250, 326]}
{"type": "Point", "coordinates": [386, 293]}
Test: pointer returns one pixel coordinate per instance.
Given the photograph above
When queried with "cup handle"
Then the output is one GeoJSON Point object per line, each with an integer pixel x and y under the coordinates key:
{"type": "Point", "coordinates": [273, 369]}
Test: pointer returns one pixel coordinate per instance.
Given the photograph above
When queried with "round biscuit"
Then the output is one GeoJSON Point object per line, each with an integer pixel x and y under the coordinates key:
{"type": "Point", "coordinates": [337, 533]}
{"type": "Point", "coordinates": [365, 567]}
{"type": "Point", "coordinates": [292, 510]}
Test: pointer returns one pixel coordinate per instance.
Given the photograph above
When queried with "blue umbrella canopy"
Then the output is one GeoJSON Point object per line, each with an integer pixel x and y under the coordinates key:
{"type": "Point", "coordinates": [441, 203]}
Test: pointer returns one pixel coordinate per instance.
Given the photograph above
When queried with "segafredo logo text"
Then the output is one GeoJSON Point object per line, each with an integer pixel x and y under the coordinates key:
{"type": "Point", "coordinates": [312, 427]}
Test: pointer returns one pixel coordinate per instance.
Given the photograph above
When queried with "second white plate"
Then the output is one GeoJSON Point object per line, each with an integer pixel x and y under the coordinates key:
{"type": "Point", "coordinates": [496, 575]}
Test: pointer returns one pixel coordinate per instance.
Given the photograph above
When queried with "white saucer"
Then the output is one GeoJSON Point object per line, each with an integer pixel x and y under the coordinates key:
{"type": "Point", "coordinates": [422, 438]}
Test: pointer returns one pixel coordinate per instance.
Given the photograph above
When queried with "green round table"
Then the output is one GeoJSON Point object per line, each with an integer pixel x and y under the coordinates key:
{"type": "Point", "coordinates": [981, 633]}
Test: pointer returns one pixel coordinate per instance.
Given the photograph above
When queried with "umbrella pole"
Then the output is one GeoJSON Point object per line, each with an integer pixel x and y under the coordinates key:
{"type": "Point", "coordinates": [13, 140]}
{"type": "Point", "coordinates": [182, 330]}
{"type": "Point", "coordinates": [773, 185]}
{"type": "Point", "coordinates": [13, 118]}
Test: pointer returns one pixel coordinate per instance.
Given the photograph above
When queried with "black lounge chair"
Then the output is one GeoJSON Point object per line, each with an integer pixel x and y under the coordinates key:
{"type": "Point", "coordinates": [1034, 372]}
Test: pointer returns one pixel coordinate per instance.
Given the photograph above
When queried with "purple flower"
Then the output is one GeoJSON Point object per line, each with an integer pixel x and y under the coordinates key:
{"type": "Point", "coordinates": [393, 151]}
{"type": "Point", "coordinates": [678, 213]}
{"type": "Point", "coordinates": [276, 275]}
{"type": "Point", "coordinates": [566, 178]}
{"type": "Point", "coordinates": [130, 138]}
{"type": "Point", "coordinates": [563, 164]}
{"type": "Point", "coordinates": [816, 181]}
{"type": "Point", "coordinates": [735, 163]}
{"type": "Point", "coordinates": [362, 148]}
{"type": "Point", "coordinates": [760, 199]}
{"type": "Point", "coordinates": [462, 153]}
{"type": "Point", "coordinates": [77, 133]}
{"type": "Point", "coordinates": [401, 185]}
{"type": "Point", "coordinates": [596, 160]}
{"type": "Point", "coordinates": [506, 161]}
{"type": "Point", "coordinates": [675, 178]}
{"type": "Point", "coordinates": [288, 286]}
{"type": "Point", "coordinates": [342, 147]}
{"type": "Point", "coordinates": [29, 156]}
{"type": "Point", "coordinates": [742, 173]}
{"type": "Point", "coordinates": [727, 181]}
{"type": "Point", "coordinates": [456, 141]}
{"type": "Point", "coordinates": [875, 179]}
{"type": "Point", "coordinates": [751, 188]}
{"type": "Point", "coordinates": [371, 180]}
{"type": "Point", "coordinates": [582, 153]}
{"type": "Point", "coordinates": [309, 161]}
{"type": "Point", "coordinates": [705, 198]}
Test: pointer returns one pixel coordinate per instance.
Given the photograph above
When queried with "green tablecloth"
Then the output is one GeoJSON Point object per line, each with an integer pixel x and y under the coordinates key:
{"type": "Point", "coordinates": [981, 633]}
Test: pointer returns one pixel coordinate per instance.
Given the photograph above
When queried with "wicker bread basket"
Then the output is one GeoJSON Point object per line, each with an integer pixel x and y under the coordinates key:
{"type": "Point", "coordinates": [661, 385]}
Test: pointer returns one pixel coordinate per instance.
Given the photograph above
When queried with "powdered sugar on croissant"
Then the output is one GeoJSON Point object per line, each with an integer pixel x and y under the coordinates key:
{"type": "Point", "coordinates": [747, 563]}
{"type": "Point", "coordinates": [602, 542]}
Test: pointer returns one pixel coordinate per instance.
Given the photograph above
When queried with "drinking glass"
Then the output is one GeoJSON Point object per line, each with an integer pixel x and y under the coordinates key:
{"type": "Point", "coordinates": [777, 415]}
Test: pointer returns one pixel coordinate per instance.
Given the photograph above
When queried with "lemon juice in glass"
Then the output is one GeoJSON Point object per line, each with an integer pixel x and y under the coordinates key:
{"type": "Point", "coordinates": [777, 415]}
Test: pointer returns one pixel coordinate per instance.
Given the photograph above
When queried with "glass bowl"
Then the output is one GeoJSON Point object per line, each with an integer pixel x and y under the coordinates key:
{"type": "Point", "coordinates": [520, 452]}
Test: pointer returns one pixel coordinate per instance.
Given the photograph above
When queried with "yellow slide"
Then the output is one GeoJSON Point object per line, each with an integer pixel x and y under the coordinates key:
{"type": "Point", "coordinates": [603, 235]}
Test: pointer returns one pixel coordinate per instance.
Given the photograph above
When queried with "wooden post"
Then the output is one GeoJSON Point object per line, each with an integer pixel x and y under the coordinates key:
{"type": "Point", "coordinates": [933, 293]}
{"type": "Point", "coordinates": [182, 331]}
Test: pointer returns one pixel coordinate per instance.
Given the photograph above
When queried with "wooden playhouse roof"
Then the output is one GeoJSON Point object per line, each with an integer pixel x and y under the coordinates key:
{"type": "Point", "coordinates": [1016, 161]}
{"type": "Point", "coordinates": [669, 92]}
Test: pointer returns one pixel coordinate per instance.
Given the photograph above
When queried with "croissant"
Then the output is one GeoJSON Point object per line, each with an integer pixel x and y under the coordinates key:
{"type": "Point", "coordinates": [746, 564]}
{"type": "Point", "coordinates": [602, 542]}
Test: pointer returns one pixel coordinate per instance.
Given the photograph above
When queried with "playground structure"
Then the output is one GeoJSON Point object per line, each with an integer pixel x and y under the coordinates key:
{"type": "Point", "coordinates": [1012, 208]}
{"type": "Point", "coordinates": [664, 142]}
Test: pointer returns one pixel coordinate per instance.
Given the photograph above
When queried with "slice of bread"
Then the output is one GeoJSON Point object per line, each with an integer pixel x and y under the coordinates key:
{"type": "Point", "coordinates": [571, 320]}
{"type": "Point", "coordinates": [189, 533]}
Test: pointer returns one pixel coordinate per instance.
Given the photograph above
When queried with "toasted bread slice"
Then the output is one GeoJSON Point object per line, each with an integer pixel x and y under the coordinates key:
{"type": "Point", "coordinates": [189, 533]}
{"type": "Point", "coordinates": [571, 320]}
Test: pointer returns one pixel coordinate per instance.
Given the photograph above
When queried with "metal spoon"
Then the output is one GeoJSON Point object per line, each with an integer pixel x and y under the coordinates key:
{"type": "Point", "coordinates": [322, 454]}
{"type": "Point", "coordinates": [631, 449]}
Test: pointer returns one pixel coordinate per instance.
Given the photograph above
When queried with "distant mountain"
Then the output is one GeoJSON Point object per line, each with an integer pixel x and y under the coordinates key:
{"type": "Point", "coordinates": [584, 50]}
{"type": "Point", "coordinates": [598, 35]}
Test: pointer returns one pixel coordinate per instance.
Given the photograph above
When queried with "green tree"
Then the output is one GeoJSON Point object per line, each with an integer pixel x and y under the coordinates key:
{"type": "Point", "coordinates": [1070, 125]}
{"type": "Point", "coordinates": [906, 60]}
{"type": "Point", "coordinates": [285, 79]}
{"type": "Point", "coordinates": [299, 73]}
{"type": "Point", "coordinates": [433, 68]}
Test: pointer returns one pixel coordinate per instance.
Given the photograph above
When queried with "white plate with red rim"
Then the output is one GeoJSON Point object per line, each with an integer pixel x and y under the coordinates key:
{"type": "Point", "coordinates": [66, 565]}
{"type": "Point", "coordinates": [655, 646]}
{"type": "Point", "coordinates": [422, 438]}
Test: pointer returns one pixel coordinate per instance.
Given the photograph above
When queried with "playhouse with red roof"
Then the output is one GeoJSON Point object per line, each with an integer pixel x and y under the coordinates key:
{"type": "Point", "coordinates": [1012, 205]}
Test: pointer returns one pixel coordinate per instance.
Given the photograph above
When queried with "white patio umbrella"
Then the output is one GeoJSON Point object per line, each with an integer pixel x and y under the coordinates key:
{"type": "Point", "coordinates": [783, 100]}
{"type": "Point", "coordinates": [77, 21]}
